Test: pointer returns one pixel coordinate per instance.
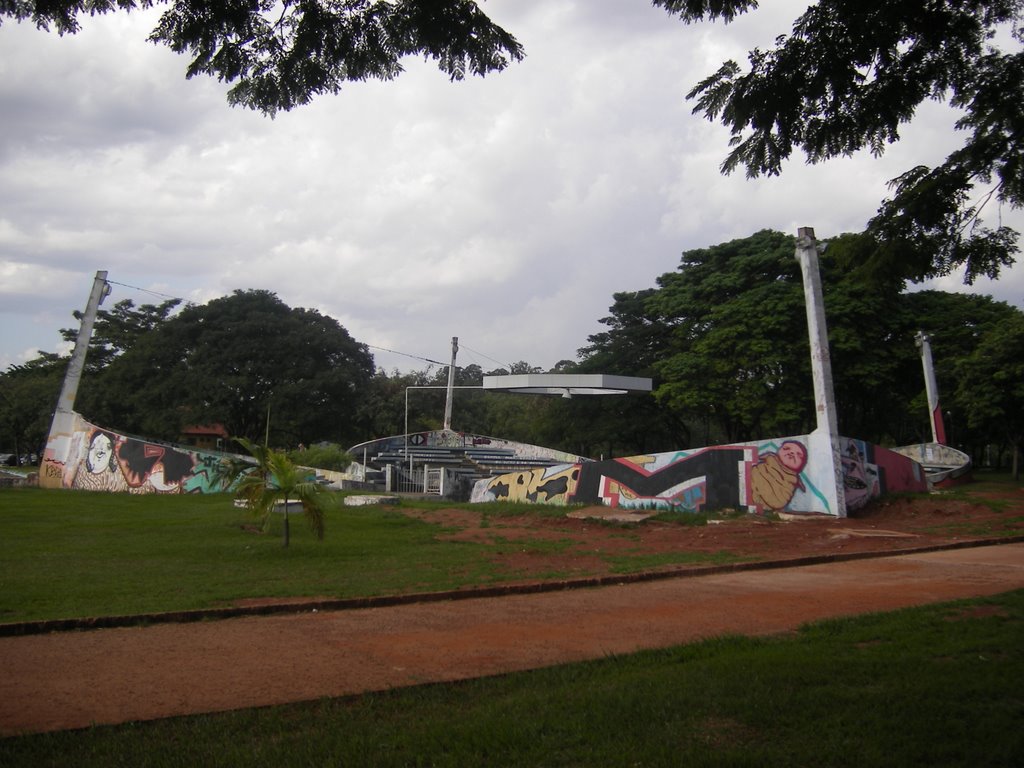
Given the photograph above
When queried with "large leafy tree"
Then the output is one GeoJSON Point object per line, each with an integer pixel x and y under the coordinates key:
{"type": "Point", "coordinates": [116, 330]}
{"type": "Point", "coordinates": [736, 351]}
{"type": "Point", "coordinates": [28, 395]}
{"type": "Point", "coordinates": [725, 338]}
{"type": "Point", "coordinates": [848, 76]}
{"type": "Point", "coordinates": [956, 324]}
{"type": "Point", "coordinates": [239, 361]}
{"type": "Point", "coordinates": [991, 386]}
{"type": "Point", "coordinates": [633, 424]}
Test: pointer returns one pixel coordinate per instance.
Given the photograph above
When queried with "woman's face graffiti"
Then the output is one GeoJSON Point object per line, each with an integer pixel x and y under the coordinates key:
{"type": "Point", "coordinates": [99, 454]}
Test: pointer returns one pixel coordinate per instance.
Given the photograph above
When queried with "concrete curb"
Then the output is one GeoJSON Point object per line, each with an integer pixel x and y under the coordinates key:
{"type": "Point", "coordinates": [383, 601]}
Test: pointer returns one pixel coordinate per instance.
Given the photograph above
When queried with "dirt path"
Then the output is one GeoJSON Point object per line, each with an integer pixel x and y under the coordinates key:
{"type": "Point", "coordinates": [76, 679]}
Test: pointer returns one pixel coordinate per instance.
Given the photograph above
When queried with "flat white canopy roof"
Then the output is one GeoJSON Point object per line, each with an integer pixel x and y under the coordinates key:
{"type": "Point", "coordinates": [567, 384]}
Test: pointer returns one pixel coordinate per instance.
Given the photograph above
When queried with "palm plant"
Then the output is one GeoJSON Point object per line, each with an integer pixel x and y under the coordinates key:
{"type": "Point", "coordinates": [274, 479]}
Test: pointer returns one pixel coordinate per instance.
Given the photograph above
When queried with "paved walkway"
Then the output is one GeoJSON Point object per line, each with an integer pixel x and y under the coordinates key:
{"type": "Point", "coordinates": [76, 679]}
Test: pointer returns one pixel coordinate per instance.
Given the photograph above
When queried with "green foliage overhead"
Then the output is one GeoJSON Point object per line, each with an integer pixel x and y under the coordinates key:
{"type": "Point", "coordinates": [846, 78]}
{"type": "Point", "coordinates": [738, 343]}
{"type": "Point", "coordinates": [28, 395]}
{"type": "Point", "coordinates": [281, 54]}
{"type": "Point", "coordinates": [849, 76]}
{"type": "Point", "coordinates": [117, 330]}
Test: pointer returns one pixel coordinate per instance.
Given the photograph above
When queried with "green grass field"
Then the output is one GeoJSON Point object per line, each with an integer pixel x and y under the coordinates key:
{"type": "Point", "coordinates": [932, 686]}
{"type": "Point", "coordinates": [73, 554]}
{"type": "Point", "coordinates": [67, 554]}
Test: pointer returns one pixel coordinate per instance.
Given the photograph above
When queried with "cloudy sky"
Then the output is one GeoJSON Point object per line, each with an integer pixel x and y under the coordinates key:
{"type": "Point", "coordinates": [505, 210]}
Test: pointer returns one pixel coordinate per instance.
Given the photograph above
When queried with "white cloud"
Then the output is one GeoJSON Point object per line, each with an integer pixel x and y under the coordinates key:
{"type": "Point", "coordinates": [505, 210]}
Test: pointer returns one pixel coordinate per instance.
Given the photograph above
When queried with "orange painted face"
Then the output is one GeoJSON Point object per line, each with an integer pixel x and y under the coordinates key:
{"type": "Point", "coordinates": [793, 456]}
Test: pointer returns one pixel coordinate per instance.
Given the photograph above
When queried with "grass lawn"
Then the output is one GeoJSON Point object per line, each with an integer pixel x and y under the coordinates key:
{"type": "Point", "coordinates": [932, 686]}
{"type": "Point", "coordinates": [72, 554]}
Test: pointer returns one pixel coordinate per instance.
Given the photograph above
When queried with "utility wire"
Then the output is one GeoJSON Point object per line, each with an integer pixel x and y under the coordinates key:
{"type": "Point", "coordinates": [406, 354]}
{"type": "Point", "coordinates": [154, 293]}
{"type": "Point", "coordinates": [470, 349]}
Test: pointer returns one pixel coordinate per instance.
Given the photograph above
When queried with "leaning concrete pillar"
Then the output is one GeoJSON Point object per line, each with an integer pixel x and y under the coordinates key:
{"type": "Point", "coordinates": [825, 438]}
{"type": "Point", "coordinates": [931, 388]}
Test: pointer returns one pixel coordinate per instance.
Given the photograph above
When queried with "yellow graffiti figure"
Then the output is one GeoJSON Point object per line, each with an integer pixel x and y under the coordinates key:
{"type": "Point", "coordinates": [537, 485]}
{"type": "Point", "coordinates": [776, 477]}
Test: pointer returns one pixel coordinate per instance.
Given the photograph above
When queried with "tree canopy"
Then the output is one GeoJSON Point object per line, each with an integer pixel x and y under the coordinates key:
{"type": "Point", "coordinates": [280, 54]}
{"type": "Point", "coordinates": [992, 385]}
{"type": "Point", "coordinates": [724, 336]}
{"type": "Point", "coordinates": [725, 339]}
{"type": "Point", "coordinates": [233, 361]}
{"type": "Point", "coordinates": [849, 76]}
{"type": "Point", "coordinates": [239, 356]}
{"type": "Point", "coordinates": [28, 395]}
{"type": "Point", "coordinates": [116, 330]}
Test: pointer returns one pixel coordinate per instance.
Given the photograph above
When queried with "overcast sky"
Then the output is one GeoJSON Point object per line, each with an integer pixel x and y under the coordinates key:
{"type": "Point", "coordinates": [505, 210]}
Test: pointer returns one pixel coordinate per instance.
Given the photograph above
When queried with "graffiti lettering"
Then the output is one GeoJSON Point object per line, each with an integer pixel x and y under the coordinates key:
{"type": "Point", "coordinates": [554, 484]}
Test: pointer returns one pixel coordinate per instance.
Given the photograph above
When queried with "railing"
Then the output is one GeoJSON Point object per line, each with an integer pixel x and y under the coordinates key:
{"type": "Point", "coordinates": [429, 480]}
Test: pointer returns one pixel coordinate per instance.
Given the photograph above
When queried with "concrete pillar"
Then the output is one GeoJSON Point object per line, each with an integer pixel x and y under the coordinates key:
{"type": "Point", "coordinates": [451, 386]}
{"type": "Point", "coordinates": [825, 439]}
{"type": "Point", "coordinates": [100, 290]}
{"type": "Point", "coordinates": [62, 427]}
{"type": "Point", "coordinates": [932, 388]}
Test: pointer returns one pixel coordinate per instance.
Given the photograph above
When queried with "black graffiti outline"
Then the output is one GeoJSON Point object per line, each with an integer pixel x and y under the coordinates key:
{"type": "Point", "coordinates": [721, 467]}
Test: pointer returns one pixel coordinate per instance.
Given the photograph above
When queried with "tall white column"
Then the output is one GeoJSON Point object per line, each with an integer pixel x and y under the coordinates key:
{"type": "Point", "coordinates": [931, 388]}
{"type": "Point", "coordinates": [58, 442]}
{"type": "Point", "coordinates": [451, 385]}
{"type": "Point", "coordinates": [825, 438]}
{"type": "Point", "coordinates": [68, 392]}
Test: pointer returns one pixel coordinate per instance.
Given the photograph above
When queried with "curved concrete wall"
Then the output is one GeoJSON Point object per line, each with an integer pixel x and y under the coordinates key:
{"type": "Point", "coordinates": [764, 476]}
{"type": "Point", "coordinates": [82, 455]}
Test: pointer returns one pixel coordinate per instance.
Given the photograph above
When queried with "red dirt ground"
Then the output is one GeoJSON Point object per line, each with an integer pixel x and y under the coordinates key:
{"type": "Point", "coordinates": [888, 525]}
{"type": "Point", "coordinates": [73, 679]}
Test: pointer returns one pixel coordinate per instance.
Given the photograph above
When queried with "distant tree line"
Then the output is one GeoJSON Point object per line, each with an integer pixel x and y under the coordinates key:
{"type": "Point", "coordinates": [723, 336]}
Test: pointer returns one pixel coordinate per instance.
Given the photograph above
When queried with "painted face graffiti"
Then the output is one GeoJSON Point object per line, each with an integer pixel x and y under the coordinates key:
{"type": "Point", "coordinates": [775, 479]}
{"type": "Point", "coordinates": [97, 470]}
{"type": "Point", "coordinates": [100, 457]}
{"type": "Point", "coordinates": [793, 455]}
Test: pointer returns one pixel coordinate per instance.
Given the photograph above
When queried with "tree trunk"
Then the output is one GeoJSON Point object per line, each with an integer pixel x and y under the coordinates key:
{"type": "Point", "coordinates": [286, 532]}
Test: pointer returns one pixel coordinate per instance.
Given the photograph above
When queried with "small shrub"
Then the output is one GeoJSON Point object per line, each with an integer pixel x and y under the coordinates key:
{"type": "Point", "coordinates": [327, 456]}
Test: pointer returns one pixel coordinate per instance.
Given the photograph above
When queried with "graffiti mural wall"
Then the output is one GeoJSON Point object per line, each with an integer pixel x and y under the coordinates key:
{"type": "Point", "coordinates": [766, 476]}
{"type": "Point", "coordinates": [84, 456]}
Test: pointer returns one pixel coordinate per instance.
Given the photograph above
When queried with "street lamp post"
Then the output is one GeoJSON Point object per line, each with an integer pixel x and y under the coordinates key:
{"type": "Point", "coordinates": [405, 433]}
